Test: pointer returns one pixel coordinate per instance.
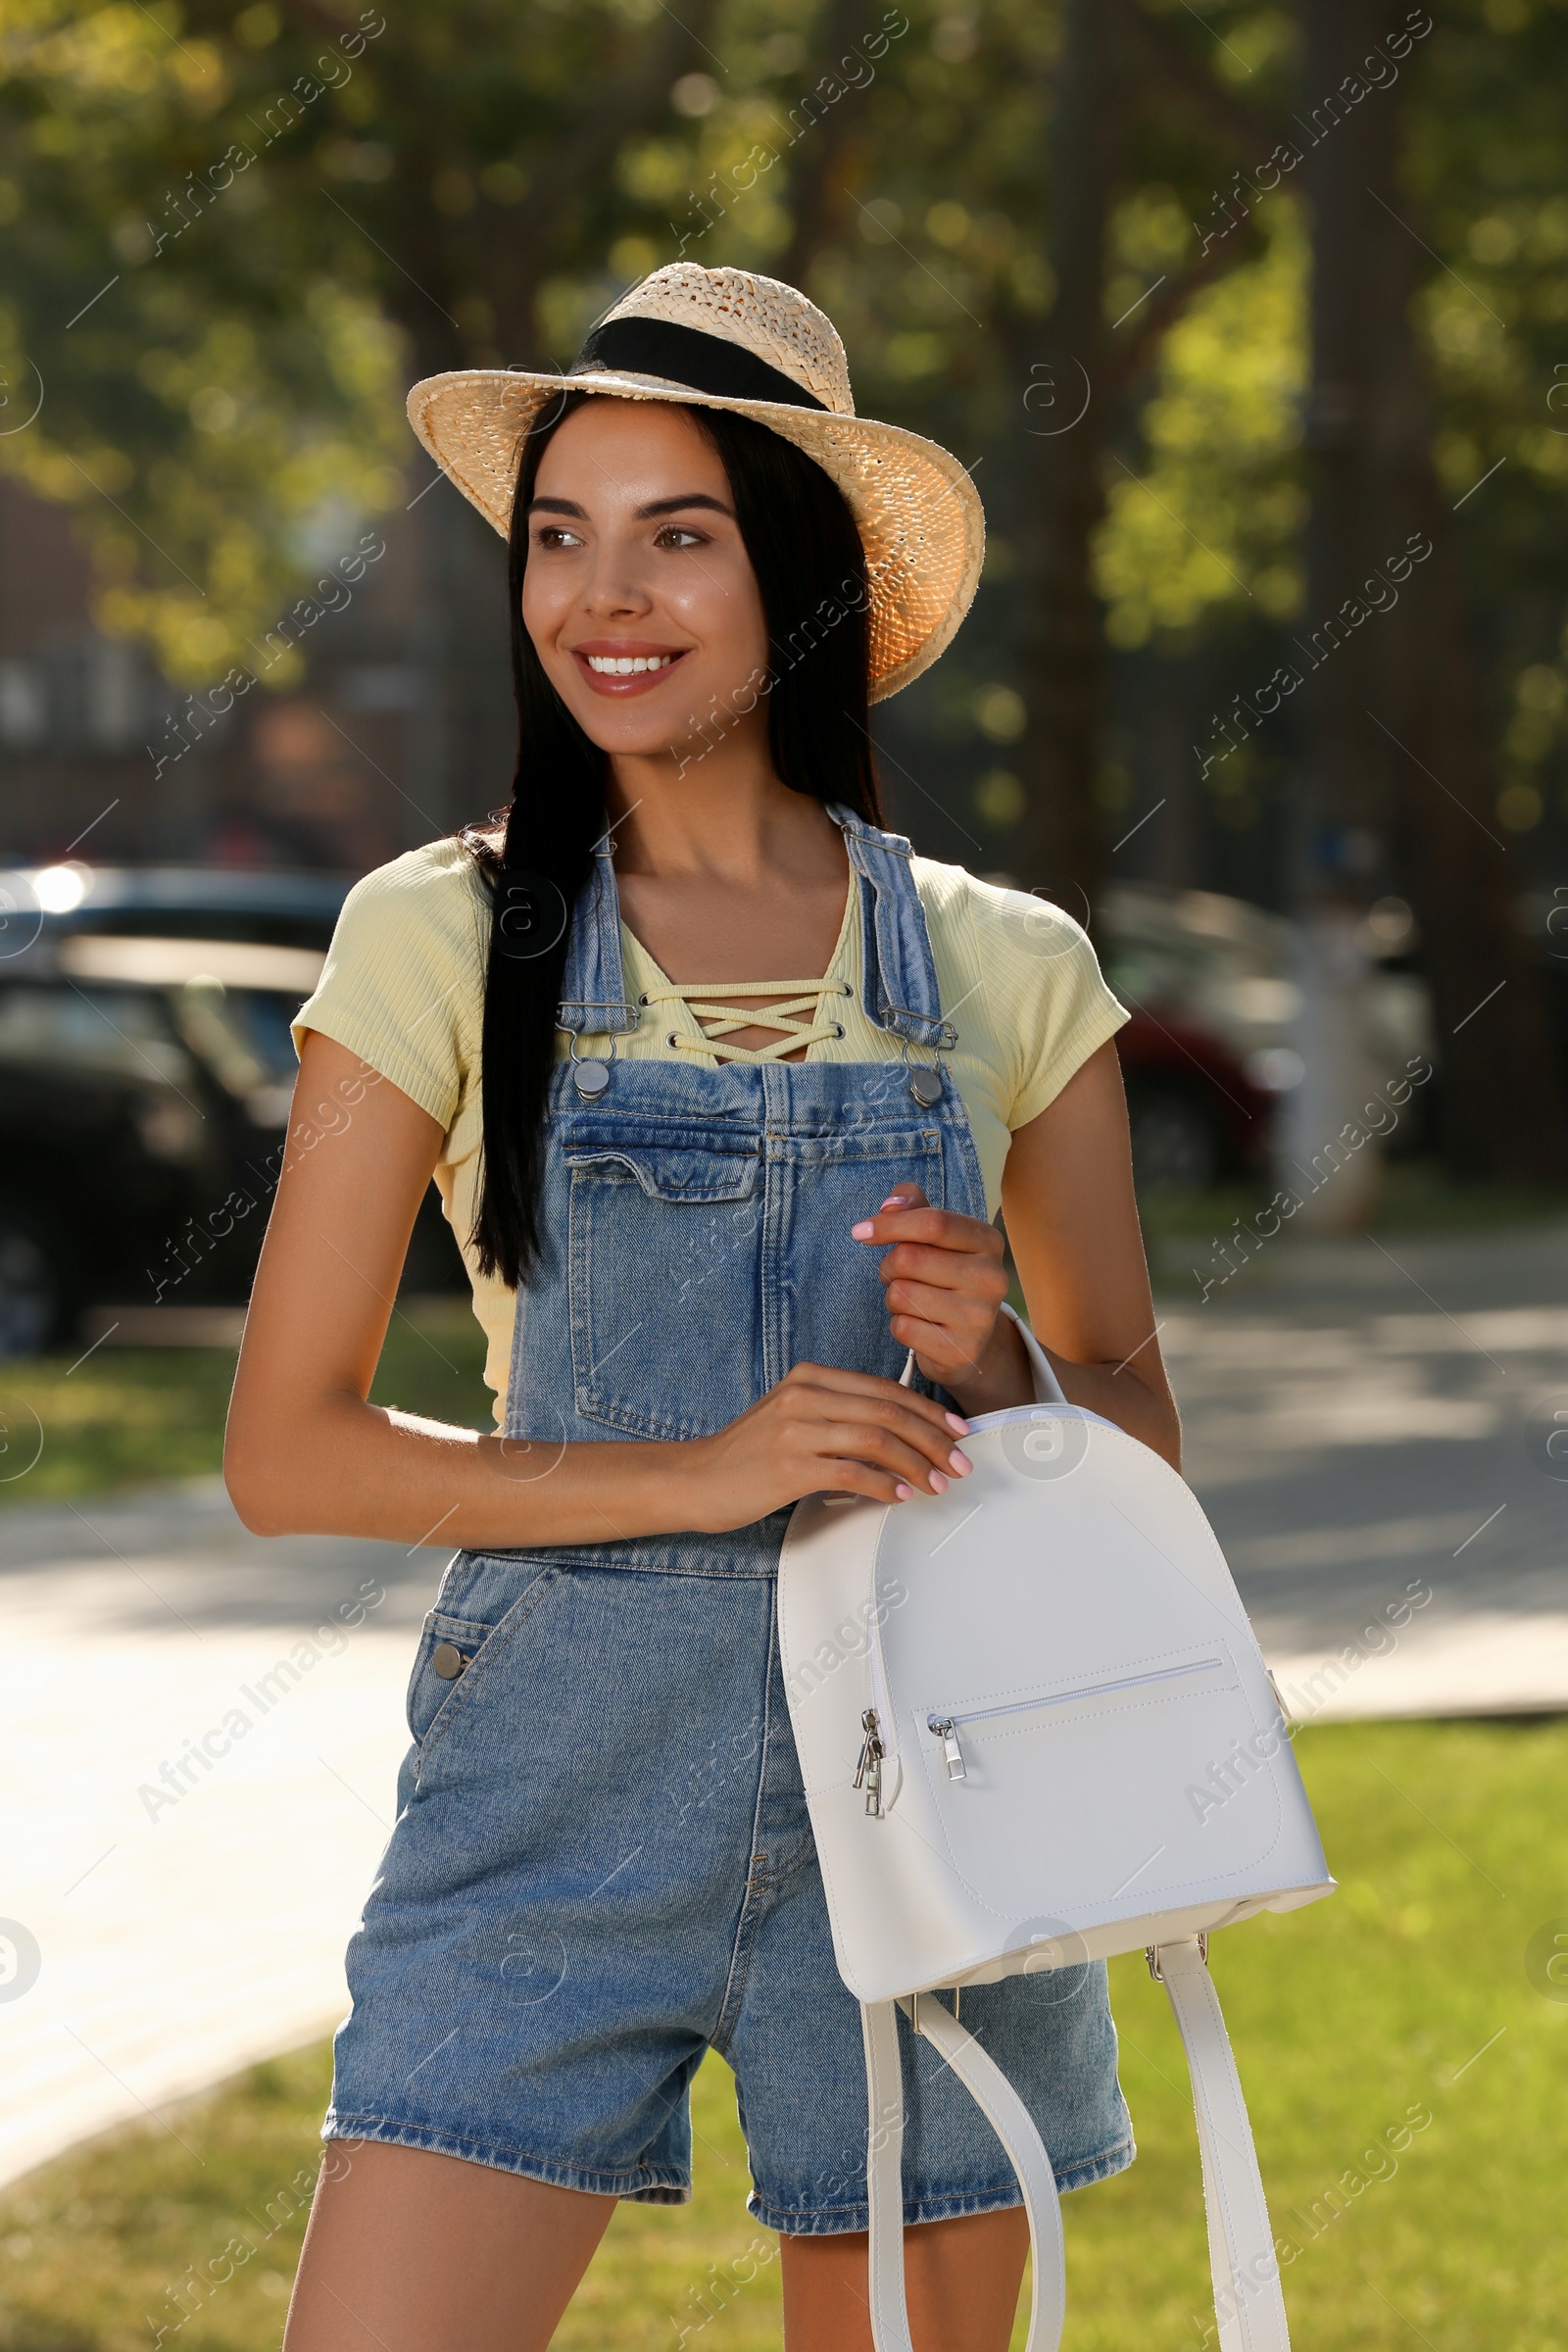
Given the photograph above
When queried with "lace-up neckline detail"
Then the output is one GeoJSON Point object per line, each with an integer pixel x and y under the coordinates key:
{"type": "Point", "coordinates": [717, 1021]}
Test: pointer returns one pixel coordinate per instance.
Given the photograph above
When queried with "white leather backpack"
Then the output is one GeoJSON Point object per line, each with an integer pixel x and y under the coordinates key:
{"type": "Point", "coordinates": [1035, 1728]}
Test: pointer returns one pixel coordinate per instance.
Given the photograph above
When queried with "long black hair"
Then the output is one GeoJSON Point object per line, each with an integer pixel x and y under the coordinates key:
{"type": "Point", "coordinates": [810, 565]}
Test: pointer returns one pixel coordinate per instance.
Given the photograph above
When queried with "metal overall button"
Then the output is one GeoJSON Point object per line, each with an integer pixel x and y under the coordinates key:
{"type": "Point", "coordinates": [447, 1660]}
{"type": "Point", "coordinates": [589, 1073]}
{"type": "Point", "coordinates": [925, 1082]}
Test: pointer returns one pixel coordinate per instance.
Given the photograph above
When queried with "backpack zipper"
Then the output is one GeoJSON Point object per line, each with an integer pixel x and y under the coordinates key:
{"type": "Point", "coordinates": [946, 1727]}
{"type": "Point", "coordinates": [869, 1771]}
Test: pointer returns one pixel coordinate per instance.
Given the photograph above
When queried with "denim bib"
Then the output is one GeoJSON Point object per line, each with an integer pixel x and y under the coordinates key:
{"type": "Point", "coordinates": [696, 1221]}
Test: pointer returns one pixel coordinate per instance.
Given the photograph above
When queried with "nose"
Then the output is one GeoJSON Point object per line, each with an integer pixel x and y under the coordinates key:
{"type": "Point", "coordinates": [616, 590]}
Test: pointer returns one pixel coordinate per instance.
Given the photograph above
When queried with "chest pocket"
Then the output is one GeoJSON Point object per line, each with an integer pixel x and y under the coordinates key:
{"type": "Point", "coordinates": [666, 1293]}
{"type": "Point", "coordinates": [832, 1296]}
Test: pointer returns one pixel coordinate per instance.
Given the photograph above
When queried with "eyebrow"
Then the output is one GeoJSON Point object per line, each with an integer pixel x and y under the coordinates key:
{"type": "Point", "coordinates": [659, 505]}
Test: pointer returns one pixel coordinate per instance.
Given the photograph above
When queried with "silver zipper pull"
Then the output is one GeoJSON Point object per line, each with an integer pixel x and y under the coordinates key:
{"type": "Point", "coordinates": [951, 1752]}
{"type": "Point", "coordinates": [869, 1771]}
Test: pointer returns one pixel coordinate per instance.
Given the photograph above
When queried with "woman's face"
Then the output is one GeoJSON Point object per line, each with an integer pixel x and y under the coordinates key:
{"type": "Point", "coordinates": [635, 558]}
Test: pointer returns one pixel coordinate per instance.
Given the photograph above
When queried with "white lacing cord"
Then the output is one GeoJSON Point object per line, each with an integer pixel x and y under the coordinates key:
{"type": "Point", "coordinates": [798, 997]}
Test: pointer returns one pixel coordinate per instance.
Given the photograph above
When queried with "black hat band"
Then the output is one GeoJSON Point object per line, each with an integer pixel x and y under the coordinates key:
{"type": "Point", "coordinates": [686, 355]}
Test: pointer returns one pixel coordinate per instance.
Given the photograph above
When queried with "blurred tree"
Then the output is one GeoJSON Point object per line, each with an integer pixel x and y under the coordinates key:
{"type": "Point", "coordinates": [216, 427]}
{"type": "Point", "coordinates": [230, 231]}
{"type": "Point", "coordinates": [1415, 397]}
{"type": "Point", "coordinates": [1462, 448]}
{"type": "Point", "coordinates": [1142, 136]}
{"type": "Point", "coordinates": [232, 236]}
{"type": "Point", "coordinates": [1398, 783]}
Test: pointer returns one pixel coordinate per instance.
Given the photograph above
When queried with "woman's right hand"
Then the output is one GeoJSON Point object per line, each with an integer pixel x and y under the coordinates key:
{"type": "Point", "coordinates": [821, 1429]}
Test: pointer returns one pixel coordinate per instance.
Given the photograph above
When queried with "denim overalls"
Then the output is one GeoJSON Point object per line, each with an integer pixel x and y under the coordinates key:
{"type": "Point", "coordinates": [603, 1863]}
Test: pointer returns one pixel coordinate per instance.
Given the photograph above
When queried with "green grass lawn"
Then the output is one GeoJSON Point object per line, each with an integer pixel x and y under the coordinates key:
{"type": "Point", "coordinates": [1413, 1195]}
{"type": "Point", "coordinates": [133, 1417]}
{"type": "Point", "coordinates": [1397, 2017]}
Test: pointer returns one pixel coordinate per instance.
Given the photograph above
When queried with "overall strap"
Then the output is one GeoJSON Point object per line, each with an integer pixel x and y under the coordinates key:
{"type": "Point", "coordinates": [898, 977]}
{"type": "Point", "coordinates": [593, 996]}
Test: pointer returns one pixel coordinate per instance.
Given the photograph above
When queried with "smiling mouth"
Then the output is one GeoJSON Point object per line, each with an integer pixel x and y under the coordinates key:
{"type": "Point", "coordinates": [622, 675]}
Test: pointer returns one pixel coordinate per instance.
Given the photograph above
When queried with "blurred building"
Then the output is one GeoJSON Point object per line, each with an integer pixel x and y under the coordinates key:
{"type": "Point", "coordinates": [400, 729]}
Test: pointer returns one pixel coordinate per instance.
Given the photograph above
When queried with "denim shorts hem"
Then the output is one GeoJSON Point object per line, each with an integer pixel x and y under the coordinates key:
{"type": "Point", "coordinates": [933, 2205]}
{"type": "Point", "coordinates": [645, 2184]}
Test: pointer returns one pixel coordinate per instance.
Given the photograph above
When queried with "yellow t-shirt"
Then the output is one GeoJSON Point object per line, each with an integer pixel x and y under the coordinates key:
{"type": "Point", "coordinates": [404, 986]}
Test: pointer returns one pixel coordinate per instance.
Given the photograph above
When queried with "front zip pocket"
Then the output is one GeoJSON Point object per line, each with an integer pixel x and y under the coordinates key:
{"type": "Point", "coordinates": [945, 1728]}
{"type": "Point", "coordinates": [1109, 1791]}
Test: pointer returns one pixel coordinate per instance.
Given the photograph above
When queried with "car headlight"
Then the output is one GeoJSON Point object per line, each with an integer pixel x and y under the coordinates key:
{"type": "Point", "coordinates": [170, 1128]}
{"type": "Point", "coordinates": [1274, 1069]}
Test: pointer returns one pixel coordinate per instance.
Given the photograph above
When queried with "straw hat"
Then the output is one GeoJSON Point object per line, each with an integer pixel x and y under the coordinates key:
{"type": "Point", "coordinates": [729, 339]}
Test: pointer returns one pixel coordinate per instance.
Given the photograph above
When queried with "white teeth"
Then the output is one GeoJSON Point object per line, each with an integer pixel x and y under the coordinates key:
{"type": "Point", "coordinates": [622, 666]}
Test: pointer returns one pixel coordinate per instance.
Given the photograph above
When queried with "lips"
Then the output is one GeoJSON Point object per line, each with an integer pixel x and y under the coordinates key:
{"type": "Point", "coordinates": [625, 666]}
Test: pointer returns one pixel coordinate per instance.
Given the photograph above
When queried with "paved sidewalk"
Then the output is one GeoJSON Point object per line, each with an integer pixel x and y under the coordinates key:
{"type": "Point", "coordinates": [1364, 1417]}
{"type": "Point", "coordinates": [1358, 1428]}
{"type": "Point", "coordinates": [182, 1935]}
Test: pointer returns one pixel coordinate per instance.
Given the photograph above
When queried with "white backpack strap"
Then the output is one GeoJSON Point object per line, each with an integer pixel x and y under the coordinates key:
{"type": "Point", "coordinates": [884, 2176]}
{"type": "Point", "coordinates": [1012, 2125]}
{"type": "Point", "coordinates": [1248, 2304]}
{"type": "Point", "coordinates": [1048, 1388]}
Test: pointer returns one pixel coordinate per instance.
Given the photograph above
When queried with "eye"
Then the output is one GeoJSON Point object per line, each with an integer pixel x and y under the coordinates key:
{"type": "Point", "coordinates": [555, 534]}
{"type": "Point", "coordinates": [679, 531]}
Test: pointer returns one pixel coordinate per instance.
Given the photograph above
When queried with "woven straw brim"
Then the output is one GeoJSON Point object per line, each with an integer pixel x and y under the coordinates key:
{"type": "Point", "coordinates": [919, 513]}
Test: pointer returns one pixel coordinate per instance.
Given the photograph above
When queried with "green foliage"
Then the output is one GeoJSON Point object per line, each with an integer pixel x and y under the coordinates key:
{"type": "Point", "coordinates": [204, 209]}
{"type": "Point", "coordinates": [217, 408]}
{"type": "Point", "coordinates": [236, 236]}
{"type": "Point", "coordinates": [1211, 524]}
{"type": "Point", "coordinates": [222, 343]}
{"type": "Point", "coordinates": [1484, 173]}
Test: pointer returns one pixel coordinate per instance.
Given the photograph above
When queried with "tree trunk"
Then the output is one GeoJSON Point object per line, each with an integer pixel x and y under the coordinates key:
{"type": "Point", "coordinates": [1066, 412]}
{"type": "Point", "coordinates": [817, 168]}
{"type": "Point", "coordinates": [1340, 811]}
{"type": "Point", "coordinates": [1397, 767]}
{"type": "Point", "coordinates": [1501, 1109]}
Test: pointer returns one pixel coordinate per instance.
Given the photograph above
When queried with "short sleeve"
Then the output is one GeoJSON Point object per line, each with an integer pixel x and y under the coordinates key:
{"type": "Point", "coordinates": [403, 983]}
{"type": "Point", "coordinates": [1048, 1007]}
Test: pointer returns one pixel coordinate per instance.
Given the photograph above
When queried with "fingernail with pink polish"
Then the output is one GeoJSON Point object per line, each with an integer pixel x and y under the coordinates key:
{"type": "Point", "coordinates": [901, 1491]}
{"type": "Point", "coordinates": [939, 1485]}
{"type": "Point", "coordinates": [961, 1462]}
{"type": "Point", "coordinates": [958, 1427]}
{"type": "Point", "coordinates": [861, 1232]}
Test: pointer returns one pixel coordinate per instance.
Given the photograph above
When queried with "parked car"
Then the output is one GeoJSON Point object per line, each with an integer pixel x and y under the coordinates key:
{"type": "Point", "coordinates": [1208, 1053]}
{"type": "Point", "coordinates": [146, 1067]}
{"type": "Point", "coordinates": [1544, 919]}
{"type": "Point", "coordinates": [145, 1077]}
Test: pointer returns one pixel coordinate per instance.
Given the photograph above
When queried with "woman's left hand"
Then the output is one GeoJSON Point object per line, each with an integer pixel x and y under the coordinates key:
{"type": "Point", "coordinates": [946, 1281]}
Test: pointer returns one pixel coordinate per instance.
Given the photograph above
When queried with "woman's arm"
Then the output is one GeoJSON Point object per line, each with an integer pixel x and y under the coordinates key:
{"type": "Point", "coordinates": [306, 1452]}
{"type": "Point", "coordinates": [1072, 1222]}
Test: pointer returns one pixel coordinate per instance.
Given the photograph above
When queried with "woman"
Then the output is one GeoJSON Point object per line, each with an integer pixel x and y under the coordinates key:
{"type": "Point", "coordinates": [708, 1204]}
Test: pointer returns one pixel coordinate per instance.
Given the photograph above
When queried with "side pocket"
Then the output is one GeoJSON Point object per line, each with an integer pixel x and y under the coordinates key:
{"type": "Point", "coordinates": [448, 1647]}
{"type": "Point", "coordinates": [454, 1654]}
